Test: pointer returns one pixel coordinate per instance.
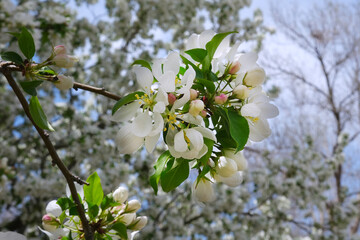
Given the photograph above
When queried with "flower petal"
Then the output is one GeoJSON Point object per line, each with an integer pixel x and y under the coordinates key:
{"type": "Point", "coordinates": [234, 180]}
{"type": "Point", "coordinates": [53, 208]}
{"type": "Point", "coordinates": [250, 110]}
{"type": "Point", "coordinates": [180, 145]}
{"type": "Point", "coordinates": [192, 42]}
{"type": "Point", "coordinates": [205, 37]}
{"type": "Point", "coordinates": [188, 78]}
{"type": "Point", "coordinates": [158, 125]}
{"type": "Point", "coordinates": [248, 61]}
{"type": "Point", "coordinates": [157, 68]}
{"type": "Point", "coordinates": [126, 113]}
{"type": "Point", "coordinates": [142, 124]}
{"type": "Point", "coordinates": [232, 52]}
{"type": "Point", "coordinates": [150, 142]}
{"type": "Point", "coordinates": [144, 78]}
{"type": "Point", "coordinates": [196, 138]}
{"type": "Point", "coordinates": [268, 110]}
{"type": "Point", "coordinates": [159, 107]}
{"type": "Point", "coordinates": [207, 133]}
{"type": "Point", "coordinates": [172, 63]}
{"type": "Point", "coordinates": [126, 141]}
{"type": "Point", "coordinates": [259, 130]}
{"type": "Point", "coordinates": [167, 81]}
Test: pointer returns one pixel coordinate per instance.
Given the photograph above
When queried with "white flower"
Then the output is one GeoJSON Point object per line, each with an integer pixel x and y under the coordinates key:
{"type": "Point", "coordinates": [133, 206]}
{"type": "Point", "coordinates": [165, 71]}
{"type": "Point", "coordinates": [127, 218]}
{"type": "Point", "coordinates": [140, 223]}
{"type": "Point", "coordinates": [64, 82]}
{"type": "Point", "coordinates": [254, 77]}
{"type": "Point", "coordinates": [203, 191]}
{"type": "Point", "coordinates": [257, 111]}
{"type": "Point", "coordinates": [121, 194]}
{"type": "Point", "coordinates": [64, 61]}
{"type": "Point", "coordinates": [238, 158]}
{"type": "Point", "coordinates": [188, 143]}
{"type": "Point", "coordinates": [241, 92]}
{"type": "Point", "coordinates": [233, 180]}
{"type": "Point", "coordinates": [226, 167]}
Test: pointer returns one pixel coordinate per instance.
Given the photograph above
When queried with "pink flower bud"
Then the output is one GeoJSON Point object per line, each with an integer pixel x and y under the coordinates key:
{"type": "Point", "coordinates": [203, 113]}
{"type": "Point", "coordinates": [234, 68]}
{"type": "Point", "coordinates": [64, 82]}
{"type": "Point", "coordinates": [241, 92]}
{"type": "Point", "coordinates": [196, 106]}
{"type": "Point", "coordinates": [60, 49]}
{"type": "Point", "coordinates": [47, 218]}
{"type": "Point", "coordinates": [193, 94]}
{"type": "Point", "coordinates": [221, 99]}
{"type": "Point", "coordinates": [50, 222]}
{"type": "Point", "coordinates": [171, 98]}
{"type": "Point", "coordinates": [64, 61]}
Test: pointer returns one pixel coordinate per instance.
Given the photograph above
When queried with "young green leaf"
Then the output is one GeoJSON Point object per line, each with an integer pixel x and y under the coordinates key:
{"type": "Point", "coordinates": [239, 128]}
{"type": "Point", "coordinates": [211, 47]}
{"type": "Point", "coordinates": [30, 86]}
{"type": "Point", "coordinates": [120, 228]}
{"type": "Point", "coordinates": [142, 63]}
{"type": "Point", "coordinates": [159, 167]}
{"type": "Point", "coordinates": [65, 203]}
{"type": "Point", "coordinates": [93, 210]}
{"type": "Point", "coordinates": [210, 86]}
{"type": "Point", "coordinates": [125, 100]}
{"type": "Point", "coordinates": [93, 193]}
{"type": "Point", "coordinates": [26, 43]}
{"type": "Point", "coordinates": [13, 57]}
{"type": "Point", "coordinates": [210, 144]}
{"type": "Point", "coordinates": [108, 201]}
{"type": "Point", "coordinates": [37, 113]}
{"type": "Point", "coordinates": [172, 178]}
{"type": "Point", "coordinates": [198, 54]}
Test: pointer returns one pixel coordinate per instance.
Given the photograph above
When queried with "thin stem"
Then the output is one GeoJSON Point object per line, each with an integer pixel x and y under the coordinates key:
{"type": "Point", "coordinates": [70, 178]}
{"type": "Point", "coordinates": [97, 90]}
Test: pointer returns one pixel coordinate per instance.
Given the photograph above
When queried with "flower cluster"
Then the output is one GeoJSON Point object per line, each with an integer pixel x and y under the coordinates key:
{"type": "Point", "coordinates": [113, 217]}
{"type": "Point", "coordinates": [206, 103]}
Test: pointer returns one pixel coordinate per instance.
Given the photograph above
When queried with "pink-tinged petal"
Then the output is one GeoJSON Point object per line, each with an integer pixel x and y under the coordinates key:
{"type": "Point", "coordinates": [126, 113]}
{"type": "Point", "coordinates": [192, 42]}
{"type": "Point", "coordinates": [142, 125]}
{"type": "Point", "coordinates": [144, 78]}
{"type": "Point", "coordinates": [207, 133]}
{"type": "Point", "coordinates": [250, 110]}
{"type": "Point", "coordinates": [157, 68]}
{"type": "Point", "coordinates": [150, 142]}
{"type": "Point", "coordinates": [53, 208]}
{"type": "Point", "coordinates": [126, 141]}
{"type": "Point", "coordinates": [172, 63]}
{"type": "Point", "coordinates": [167, 81]}
{"type": "Point", "coordinates": [196, 139]}
{"type": "Point", "coordinates": [180, 145]}
{"type": "Point", "coordinates": [158, 125]}
{"type": "Point", "coordinates": [205, 37]}
{"type": "Point", "coordinates": [248, 61]}
{"type": "Point", "coordinates": [259, 130]}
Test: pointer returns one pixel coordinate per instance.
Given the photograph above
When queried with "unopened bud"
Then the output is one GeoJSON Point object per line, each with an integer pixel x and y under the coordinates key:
{"type": "Point", "coordinates": [140, 223]}
{"type": "Point", "coordinates": [193, 94]}
{"type": "Point", "coordinates": [60, 49]}
{"type": "Point", "coordinates": [196, 106]}
{"type": "Point", "coordinates": [120, 194]}
{"type": "Point", "coordinates": [50, 222]}
{"type": "Point", "coordinates": [171, 98]}
{"type": "Point", "coordinates": [221, 99]}
{"type": "Point", "coordinates": [64, 61]}
{"type": "Point", "coordinates": [234, 68]}
{"type": "Point", "coordinates": [226, 167]}
{"type": "Point", "coordinates": [203, 113]}
{"type": "Point", "coordinates": [133, 206]}
{"type": "Point", "coordinates": [241, 92]}
{"type": "Point", "coordinates": [127, 218]}
{"type": "Point", "coordinates": [255, 77]}
{"type": "Point", "coordinates": [64, 82]}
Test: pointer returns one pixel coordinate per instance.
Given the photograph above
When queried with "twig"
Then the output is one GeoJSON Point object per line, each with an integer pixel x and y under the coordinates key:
{"type": "Point", "coordinates": [70, 178]}
{"type": "Point", "coordinates": [97, 90]}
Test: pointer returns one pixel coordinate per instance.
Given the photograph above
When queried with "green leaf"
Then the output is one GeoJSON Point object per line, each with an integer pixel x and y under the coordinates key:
{"type": "Point", "coordinates": [210, 144]}
{"type": "Point", "coordinates": [73, 211]}
{"type": "Point", "coordinates": [62, 217]}
{"type": "Point", "coordinates": [65, 203]}
{"type": "Point", "coordinates": [120, 228]}
{"type": "Point", "coordinates": [13, 57]}
{"type": "Point", "coordinates": [37, 113]}
{"type": "Point", "coordinates": [211, 47]}
{"type": "Point", "coordinates": [204, 171]}
{"type": "Point", "coordinates": [93, 210]}
{"type": "Point", "coordinates": [239, 128]}
{"type": "Point", "coordinates": [26, 43]}
{"type": "Point", "coordinates": [173, 178]}
{"type": "Point", "coordinates": [198, 54]}
{"type": "Point", "coordinates": [125, 100]}
{"type": "Point", "coordinates": [93, 193]}
{"type": "Point", "coordinates": [210, 86]}
{"type": "Point", "coordinates": [108, 201]}
{"type": "Point", "coordinates": [159, 167]}
{"type": "Point", "coordinates": [142, 63]}
{"type": "Point", "coordinates": [30, 86]}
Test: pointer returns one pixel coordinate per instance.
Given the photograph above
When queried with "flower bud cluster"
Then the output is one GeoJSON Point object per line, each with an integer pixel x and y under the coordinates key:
{"type": "Point", "coordinates": [61, 59]}
{"type": "Point", "coordinates": [120, 210]}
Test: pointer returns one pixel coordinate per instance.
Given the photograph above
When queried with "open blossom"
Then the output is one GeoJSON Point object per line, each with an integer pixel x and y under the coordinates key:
{"type": "Point", "coordinates": [64, 82]}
